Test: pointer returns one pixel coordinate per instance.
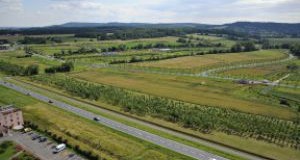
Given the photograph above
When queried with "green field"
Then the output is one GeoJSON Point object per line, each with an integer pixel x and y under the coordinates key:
{"type": "Point", "coordinates": [16, 57]}
{"type": "Point", "coordinates": [270, 72]}
{"type": "Point", "coordinates": [255, 146]}
{"type": "Point", "coordinates": [280, 41]}
{"type": "Point", "coordinates": [204, 61]}
{"type": "Point", "coordinates": [194, 90]}
{"type": "Point", "coordinates": [70, 44]}
{"type": "Point", "coordinates": [142, 82]}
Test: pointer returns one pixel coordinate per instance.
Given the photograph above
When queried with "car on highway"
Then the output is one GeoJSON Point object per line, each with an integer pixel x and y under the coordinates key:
{"type": "Point", "coordinates": [96, 119]}
{"type": "Point", "coordinates": [50, 101]}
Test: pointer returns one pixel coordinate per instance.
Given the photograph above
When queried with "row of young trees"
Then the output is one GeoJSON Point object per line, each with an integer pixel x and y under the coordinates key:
{"type": "Point", "coordinates": [16, 70]}
{"type": "Point", "coordinates": [202, 118]}
{"type": "Point", "coordinates": [33, 40]}
{"type": "Point", "coordinates": [196, 42]}
{"type": "Point", "coordinates": [119, 48]}
{"type": "Point", "coordinates": [171, 55]}
{"type": "Point", "coordinates": [135, 33]}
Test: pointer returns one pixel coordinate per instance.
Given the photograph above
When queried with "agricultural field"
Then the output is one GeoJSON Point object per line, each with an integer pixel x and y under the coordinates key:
{"type": "Point", "coordinates": [158, 80]}
{"type": "Point", "coordinates": [188, 89]}
{"type": "Point", "coordinates": [77, 43]}
{"type": "Point", "coordinates": [212, 39]}
{"type": "Point", "coordinates": [270, 72]}
{"type": "Point", "coordinates": [255, 146]}
{"type": "Point", "coordinates": [212, 60]}
{"type": "Point", "coordinates": [18, 57]}
{"type": "Point", "coordinates": [116, 99]}
{"type": "Point", "coordinates": [280, 41]}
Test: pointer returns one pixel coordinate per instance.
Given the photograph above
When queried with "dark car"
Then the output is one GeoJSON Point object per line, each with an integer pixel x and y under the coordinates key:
{"type": "Point", "coordinates": [96, 119]}
{"type": "Point", "coordinates": [43, 139]}
{"type": "Point", "coordinates": [35, 137]}
{"type": "Point", "coordinates": [50, 101]}
{"type": "Point", "coordinates": [71, 155]}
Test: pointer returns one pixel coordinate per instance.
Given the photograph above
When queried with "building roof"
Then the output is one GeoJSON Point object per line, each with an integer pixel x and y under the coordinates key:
{"type": "Point", "coordinates": [8, 109]}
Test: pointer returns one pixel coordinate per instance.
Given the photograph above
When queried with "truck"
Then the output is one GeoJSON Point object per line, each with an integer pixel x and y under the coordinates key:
{"type": "Point", "coordinates": [59, 148]}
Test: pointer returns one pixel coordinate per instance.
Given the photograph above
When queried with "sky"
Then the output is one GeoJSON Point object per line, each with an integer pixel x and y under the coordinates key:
{"type": "Point", "coordinates": [31, 13]}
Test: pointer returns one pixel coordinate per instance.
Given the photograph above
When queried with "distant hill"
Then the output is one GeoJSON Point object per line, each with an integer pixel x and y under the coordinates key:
{"type": "Point", "coordinates": [250, 28]}
{"type": "Point", "coordinates": [264, 27]}
{"type": "Point", "coordinates": [117, 24]}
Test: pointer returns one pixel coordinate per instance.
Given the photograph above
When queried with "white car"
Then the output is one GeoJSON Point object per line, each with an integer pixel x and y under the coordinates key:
{"type": "Point", "coordinates": [59, 148]}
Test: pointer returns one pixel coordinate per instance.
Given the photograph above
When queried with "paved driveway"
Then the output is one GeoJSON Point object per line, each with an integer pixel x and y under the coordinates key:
{"type": "Point", "coordinates": [44, 150]}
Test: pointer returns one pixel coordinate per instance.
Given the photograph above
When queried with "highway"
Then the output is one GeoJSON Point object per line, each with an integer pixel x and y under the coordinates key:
{"type": "Point", "coordinates": [155, 139]}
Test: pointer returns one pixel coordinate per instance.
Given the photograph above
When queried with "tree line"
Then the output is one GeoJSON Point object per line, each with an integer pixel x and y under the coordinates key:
{"type": "Point", "coordinates": [136, 33]}
{"type": "Point", "coordinates": [119, 48]}
{"type": "Point", "coordinates": [245, 46]}
{"type": "Point", "coordinates": [202, 118]}
{"type": "Point", "coordinates": [294, 48]}
{"type": "Point", "coordinates": [17, 70]}
{"type": "Point", "coordinates": [40, 40]}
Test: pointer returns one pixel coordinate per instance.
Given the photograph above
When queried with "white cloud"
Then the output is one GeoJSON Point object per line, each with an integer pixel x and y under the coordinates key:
{"type": "Point", "coordinates": [10, 5]}
{"type": "Point", "coordinates": [48, 12]}
{"type": "Point", "coordinates": [262, 1]}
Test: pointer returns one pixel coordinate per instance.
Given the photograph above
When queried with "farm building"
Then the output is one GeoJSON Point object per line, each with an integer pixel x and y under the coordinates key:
{"type": "Point", "coordinates": [11, 117]}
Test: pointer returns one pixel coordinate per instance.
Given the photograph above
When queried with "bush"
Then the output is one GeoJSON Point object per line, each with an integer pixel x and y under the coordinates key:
{"type": "Point", "coordinates": [16, 70]}
{"type": "Point", "coordinates": [65, 67]}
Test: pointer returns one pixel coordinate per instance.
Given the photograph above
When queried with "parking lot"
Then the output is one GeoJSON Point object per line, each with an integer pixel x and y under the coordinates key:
{"type": "Point", "coordinates": [40, 147]}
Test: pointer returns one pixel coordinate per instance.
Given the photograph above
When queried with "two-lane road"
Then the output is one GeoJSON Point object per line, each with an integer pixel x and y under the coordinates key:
{"type": "Point", "coordinates": [166, 143]}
